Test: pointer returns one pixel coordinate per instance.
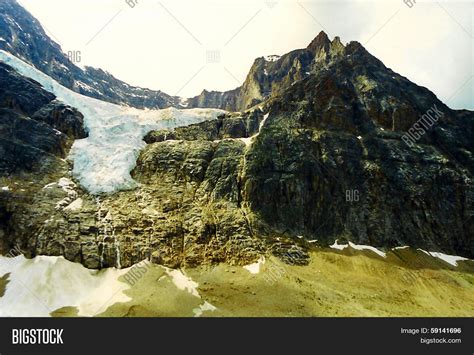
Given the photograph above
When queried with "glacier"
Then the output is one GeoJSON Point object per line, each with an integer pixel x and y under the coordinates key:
{"type": "Point", "coordinates": [103, 161]}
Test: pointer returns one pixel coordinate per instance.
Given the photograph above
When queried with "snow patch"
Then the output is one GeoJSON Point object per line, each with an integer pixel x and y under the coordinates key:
{"type": "Point", "coordinates": [50, 186]}
{"type": "Point", "coordinates": [450, 259]}
{"type": "Point", "coordinates": [248, 141]}
{"type": "Point", "coordinates": [271, 58]}
{"type": "Point", "coordinates": [368, 247]}
{"type": "Point", "coordinates": [255, 268]}
{"type": "Point", "coordinates": [358, 247]}
{"type": "Point", "coordinates": [183, 282]}
{"type": "Point", "coordinates": [183, 102]}
{"type": "Point", "coordinates": [206, 306]}
{"type": "Point", "coordinates": [85, 87]}
{"type": "Point", "coordinates": [339, 246]}
{"type": "Point", "coordinates": [401, 248]}
{"type": "Point", "coordinates": [42, 285]}
{"type": "Point", "coordinates": [75, 206]}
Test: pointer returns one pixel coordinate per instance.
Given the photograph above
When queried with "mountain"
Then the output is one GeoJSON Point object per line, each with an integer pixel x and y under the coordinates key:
{"type": "Point", "coordinates": [332, 157]}
{"type": "Point", "coordinates": [331, 148]}
{"type": "Point", "coordinates": [23, 36]}
{"type": "Point", "coordinates": [271, 75]}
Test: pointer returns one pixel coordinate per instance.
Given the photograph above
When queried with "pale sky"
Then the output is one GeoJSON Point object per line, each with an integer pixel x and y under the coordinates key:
{"type": "Point", "coordinates": [163, 45]}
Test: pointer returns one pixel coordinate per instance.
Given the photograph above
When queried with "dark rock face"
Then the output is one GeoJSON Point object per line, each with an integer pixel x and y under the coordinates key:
{"type": "Point", "coordinates": [63, 118]}
{"type": "Point", "coordinates": [227, 126]}
{"type": "Point", "coordinates": [185, 213]}
{"type": "Point", "coordinates": [23, 36]}
{"type": "Point", "coordinates": [21, 94]}
{"type": "Point", "coordinates": [26, 144]}
{"type": "Point", "coordinates": [331, 163]}
{"type": "Point", "coordinates": [35, 129]}
{"type": "Point", "coordinates": [215, 99]}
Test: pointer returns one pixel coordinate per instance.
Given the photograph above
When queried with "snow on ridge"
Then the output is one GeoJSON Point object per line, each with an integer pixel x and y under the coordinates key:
{"type": "Point", "coordinates": [358, 247]}
{"type": "Point", "coordinates": [450, 259]}
{"type": "Point", "coordinates": [104, 160]}
{"type": "Point", "coordinates": [272, 58]}
{"type": "Point", "coordinates": [368, 247]}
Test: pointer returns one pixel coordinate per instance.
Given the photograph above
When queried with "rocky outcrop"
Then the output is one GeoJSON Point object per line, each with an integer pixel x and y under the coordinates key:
{"type": "Point", "coordinates": [36, 132]}
{"type": "Point", "coordinates": [215, 99]}
{"type": "Point", "coordinates": [331, 161]}
{"type": "Point", "coordinates": [21, 94]}
{"type": "Point", "coordinates": [185, 213]}
{"type": "Point", "coordinates": [63, 118]}
{"type": "Point", "coordinates": [232, 125]}
{"type": "Point", "coordinates": [35, 129]}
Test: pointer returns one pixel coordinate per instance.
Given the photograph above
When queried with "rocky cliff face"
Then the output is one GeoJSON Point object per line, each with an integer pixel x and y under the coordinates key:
{"type": "Point", "coordinates": [34, 126]}
{"type": "Point", "coordinates": [23, 36]}
{"type": "Point", "coordinates": [324, 157]}
{"type": "Point", "coordinates": [36, 132]}
{"type": "Point", "coordinates": [331, 162]}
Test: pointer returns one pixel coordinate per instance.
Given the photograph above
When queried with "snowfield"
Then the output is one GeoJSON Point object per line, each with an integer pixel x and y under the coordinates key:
{"type": "Point", "coordinates": [104, 160]}
{"type": "Point", "coordinates": [42, 285]}
{"type": "Point", "coordinates": [37, 287]}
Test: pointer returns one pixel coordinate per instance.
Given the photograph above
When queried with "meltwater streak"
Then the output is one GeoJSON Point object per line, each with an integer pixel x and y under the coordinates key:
{"type": "Point", "coordinates": [103, 161]}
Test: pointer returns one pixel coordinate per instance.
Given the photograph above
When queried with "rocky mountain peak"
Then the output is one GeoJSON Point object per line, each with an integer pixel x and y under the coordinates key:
{"type": "Point", "coordinates": [319, 42]}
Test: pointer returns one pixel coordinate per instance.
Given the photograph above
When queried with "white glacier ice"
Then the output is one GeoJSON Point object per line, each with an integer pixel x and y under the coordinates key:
{"type": "Point", "coordinates": [103, 161]}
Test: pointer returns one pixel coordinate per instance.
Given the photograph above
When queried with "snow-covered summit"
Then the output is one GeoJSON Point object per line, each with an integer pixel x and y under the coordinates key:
{"type": "Point", "coordinates": [103, 161]}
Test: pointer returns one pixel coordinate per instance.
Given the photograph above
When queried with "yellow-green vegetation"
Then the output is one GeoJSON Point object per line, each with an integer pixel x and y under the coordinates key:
{"type": "Point", "coordinates": [334, 284]}
{"type": "Point", "coordinates": [364, 84]}
{"type": "Point", "coordinates": [3, 284]}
